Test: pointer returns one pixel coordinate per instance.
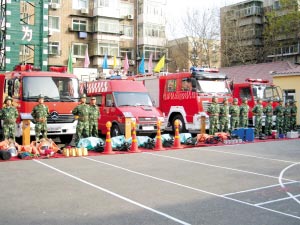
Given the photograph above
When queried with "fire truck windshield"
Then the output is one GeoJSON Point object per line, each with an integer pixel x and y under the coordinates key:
{"type": "Point", "coordinates": [214, 86]}
{"type": "Point", "coordinates": [132, 99]}
{"type": "Point", "coordinates": [265, 92]}
{"type": "Point", "coordinates": [52, 88]}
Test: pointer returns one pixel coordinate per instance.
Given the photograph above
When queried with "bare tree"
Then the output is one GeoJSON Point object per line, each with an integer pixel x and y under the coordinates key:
{"type": "Point", "coordinates": [200, 29]}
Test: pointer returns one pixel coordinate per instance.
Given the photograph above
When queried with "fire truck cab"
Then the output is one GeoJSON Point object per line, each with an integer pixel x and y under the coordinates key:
{"type": "Point", "coordinates": [256, 88]}
{"type": "Point", "coordinates": [187, 96]}
{"type": "Point", "coordinates": [119, 100]}
{"type": "Point", "coordinates": [61, 93]}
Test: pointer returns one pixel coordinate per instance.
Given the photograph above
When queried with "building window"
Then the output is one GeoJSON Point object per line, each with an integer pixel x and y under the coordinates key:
{"type": "Point", "coordinates": [54, 23]}
{"type": "Point", "coordinates": [53, 48]}
{"type": "Point", "coordinates": [80, 4]}
{"type": "Point", "coordinates": [27, 13]}
{"type": "Point", "coordinates": [79, 50]}
{"type": "Point", "coordinates": [109, 49]}
{"type": "Point", "coordinates": [107, 26]}
{"type": "Point", "coordinates": [79, 25]}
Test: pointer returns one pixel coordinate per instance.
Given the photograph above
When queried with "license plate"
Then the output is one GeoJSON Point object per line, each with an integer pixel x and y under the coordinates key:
{"type": "Point", "coordinates": [148, 128]}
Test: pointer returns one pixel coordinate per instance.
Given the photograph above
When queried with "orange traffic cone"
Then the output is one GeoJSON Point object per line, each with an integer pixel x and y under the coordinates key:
{"type": "Point", "coordinates": [177, 143]}
{"type": "Point", "coordinates": [158, 143]}
{"type": "Point", "coordinates": [108, 147]}
{"type": "Point", "coordinates": [134, 145]}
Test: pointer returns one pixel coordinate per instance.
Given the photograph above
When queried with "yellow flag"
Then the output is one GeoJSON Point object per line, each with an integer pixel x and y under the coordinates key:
{"type": "Point", "coordinates": [115, 62]}
{"type": "Point", "coordinates": [160, 65]}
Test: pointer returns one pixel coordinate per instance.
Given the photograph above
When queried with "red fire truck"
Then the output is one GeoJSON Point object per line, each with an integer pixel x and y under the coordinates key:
{"type": "Point", "coordinates": [256, 88]}
{"type": "Point", "coordinates": [186, 96]}
{"type": "Point", "coordinates": [61, 91]}
{"type": "Point", "coordinates": [120, 100]}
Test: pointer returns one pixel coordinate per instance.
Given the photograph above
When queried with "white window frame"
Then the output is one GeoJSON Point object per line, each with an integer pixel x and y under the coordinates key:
{"type": "Point", "coordinates": [82, 47]}
{"type": "Point", "coordinates": [50, 23]}
{"type": "Point", "coordinates": [54, 45]}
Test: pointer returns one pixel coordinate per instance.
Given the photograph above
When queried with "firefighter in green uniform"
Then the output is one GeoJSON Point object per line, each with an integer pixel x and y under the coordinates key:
{"type": "Point", "coordinates": [9, 114]}
{"type": "Point", "coordinates": [40, 113]}
{"type": "Point", "coordinates": [213, 111]}
{"type": "Point", "coordinates": [268, 111]}
{"type": "Point", "coordinates": [224, 116]}
{"type": "Point", "coordinates": [244, 111]}
{"type": "Point", "coordinates": [94, 115]}
{"type": "Point", "coordinates": [234, 111]}
{"type": "Point", "coordinates": [287, 117]}
{"type": "Point", "coordinates": [293, 115]}
{"type": "Point", "coordinates": [279, 112]}
{"type": "Point", "coordinates": [81, 112]}
{"type": "Point", "coordinates": [258, 113]}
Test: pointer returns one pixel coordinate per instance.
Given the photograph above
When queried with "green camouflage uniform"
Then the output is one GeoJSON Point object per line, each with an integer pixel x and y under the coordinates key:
{"type": "Point", "coordinates": [234, 111]}
{"type": "Point", "coordinates": [293, 116]}
{"type": "Point", "coordinates": [244, 111]}
{"type": "Point", "coordinates": [224, 117]}
{"type": "Point", "coordinates": [268, 110]}
{"type": "Point", "coordinates": [258, 112]}
{"type": "Point", "coordinates": [40, 113]}
{"type": "Point", "coordinates": [94, 115]}
{"type": "Point", "coordinates": [279, 112]}
{"type": "Point", "coordinates": [9, 114]}
{"type": "Point", "coordinates": [287, 118]}
{"type": "Point", "coordinates": [213, 111]}
{"type": "Point", "coordinates": [82, 128]}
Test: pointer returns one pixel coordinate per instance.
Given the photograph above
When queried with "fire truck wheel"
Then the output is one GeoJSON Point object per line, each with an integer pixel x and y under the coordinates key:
{"type": "Point", "coordinates": [115, 130]}
{"type": "Point", "coordinates": [182, 128]}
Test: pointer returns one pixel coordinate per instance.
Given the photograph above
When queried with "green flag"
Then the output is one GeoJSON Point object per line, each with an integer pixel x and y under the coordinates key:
{"type": "Point", "coordinates": [70, 63]}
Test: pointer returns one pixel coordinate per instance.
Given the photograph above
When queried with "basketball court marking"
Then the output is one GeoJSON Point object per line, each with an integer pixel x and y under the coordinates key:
{"type": "Point", "coordinates": [113, 193]}
{"type": "Point", "coordinates": [283, 186]}
{"type": "Point", "coordinates": [246, 155]}
{"type": "Point", "coordinates": [191, 188]}
{"type": "Point", "coordinates": [215, 166]}
{"type": "Point", "coordinates": [260, 188]}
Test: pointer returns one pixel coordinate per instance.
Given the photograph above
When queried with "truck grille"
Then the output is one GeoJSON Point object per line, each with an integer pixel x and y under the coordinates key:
{"type": "Point", "coordinates": [147, 119]}
{"type": "Point", "coordinates": [61, 119]}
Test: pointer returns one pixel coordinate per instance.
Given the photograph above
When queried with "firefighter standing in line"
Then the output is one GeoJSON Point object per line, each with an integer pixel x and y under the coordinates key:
{"type": "Point", "coordinates": [213, 111]}
{"type": "Point", "coordinates": [258, 113]}
{"type": "Point", "coordinates": [244, 111]}
{"type": "Point", "coordinates": [94, 115]}
{"type": "Point", "coordinates": [287, 117]}
{"type": "Point", "coordinates": [9, 114]}
{"type": "Point", "coordinates": [268, 110]}
{"type": "Point", "coordinates": [224, 116]}
{"type": "Point", "coordinates": [81, 112]}
{"type": "Point", "coordinates": [293, 115]}
{"type": "Point", "coordinates": [279, 112]}
{"type": "Point", "coordinates": [234, 111]}
{"type": "Point", "coordinates": [40, 113]}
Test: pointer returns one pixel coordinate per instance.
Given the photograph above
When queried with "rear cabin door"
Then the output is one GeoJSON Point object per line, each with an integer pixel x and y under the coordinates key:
{"type": "Point", "coordinates": [108, 110]}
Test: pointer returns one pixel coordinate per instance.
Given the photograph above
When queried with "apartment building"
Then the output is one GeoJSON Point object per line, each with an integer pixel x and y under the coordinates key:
{"type": "Point", "coordinates": [244, 27]}
{"type": "Point", "coordinates": [241, 33]}
{"type": "Point", "coordinates": [111, 28]}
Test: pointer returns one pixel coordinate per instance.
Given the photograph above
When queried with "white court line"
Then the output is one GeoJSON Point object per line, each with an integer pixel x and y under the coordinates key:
{"type": "Point", "coordinates": [276, 200]}
{"type": "Point", "coordinates": [114, 194]}
{"type": "Point", "coordinates": [260, 188]}
{"type": "Point", "coordinates": [215, 166]}
{"type": "Point", "coordinates": [252, 156]}
{"type": "Point", "coordinates": [189, 187]}
{"type": "Point", "coordinates": [282, 185]}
